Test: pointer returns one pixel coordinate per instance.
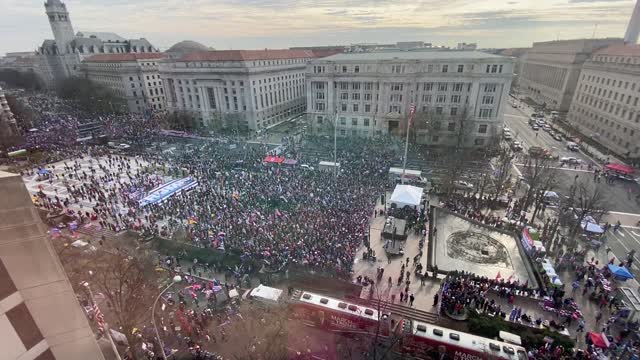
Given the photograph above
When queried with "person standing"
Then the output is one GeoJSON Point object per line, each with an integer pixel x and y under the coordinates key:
{"type": "Point", "coordinates": [435, 299]}
{"type": "Point", "coordinates": [411, 298]}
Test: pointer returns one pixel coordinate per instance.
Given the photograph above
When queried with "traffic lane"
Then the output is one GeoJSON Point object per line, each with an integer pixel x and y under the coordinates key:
{"type": "Point", "coordinates": [622, 242]}
{"type": "Point", "coordinates": [526, 135]}
{"type": "Point", "coordinates": [615, 196]}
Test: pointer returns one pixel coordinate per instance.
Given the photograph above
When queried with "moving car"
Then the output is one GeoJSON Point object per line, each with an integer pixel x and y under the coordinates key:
{"type": "Point", "coordinates": [535, 127]}
{"type": "Point", "coordinates": [462, 185]}
{"type": "Point", "coordinates": [556, 137]}
{"type": "Point", "coordinates": [516, 146]}
{"type": "Point", "coordinates": [507, 136]}
{"type": "Point", "coordinates": [573, 146]}
{"type": "Point", "coordinates": [570, 160]}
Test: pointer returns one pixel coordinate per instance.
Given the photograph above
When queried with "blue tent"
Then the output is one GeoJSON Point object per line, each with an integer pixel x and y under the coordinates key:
{"type": "Point", "coordinates": [620, 272]}
{"type": "Point", "coordinates": [44, 172]}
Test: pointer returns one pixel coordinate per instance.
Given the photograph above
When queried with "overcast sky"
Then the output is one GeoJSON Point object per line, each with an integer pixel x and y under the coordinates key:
{"type": "Point", "coordinates": [251, 24]}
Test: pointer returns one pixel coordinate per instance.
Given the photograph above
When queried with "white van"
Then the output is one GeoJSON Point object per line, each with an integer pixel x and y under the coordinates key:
{"type": "Point", "coordinates": [573, 146]}
{"type": "Point", "coordinates": [265, 295]}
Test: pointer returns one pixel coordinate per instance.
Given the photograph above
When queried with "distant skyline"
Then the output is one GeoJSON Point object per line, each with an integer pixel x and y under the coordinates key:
{"type": "Point", "coordinates": [255, 24]}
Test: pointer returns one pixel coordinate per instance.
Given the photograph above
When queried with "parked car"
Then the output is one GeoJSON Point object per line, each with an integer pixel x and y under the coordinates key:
{"type": "Point", "coordinates": [557, 137]}
{"type": "Point", "coordinates": [462, 185]}
{"type": "Point", "coordinates": [535, 127]}
{"type": "Point", "coordinates": [507, 136]}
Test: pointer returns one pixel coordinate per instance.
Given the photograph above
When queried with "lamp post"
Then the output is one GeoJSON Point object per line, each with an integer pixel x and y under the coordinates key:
{"type": "Point", "coordinates": [176, 279]}
{"type": "Point", "coordinates": [106, 325]}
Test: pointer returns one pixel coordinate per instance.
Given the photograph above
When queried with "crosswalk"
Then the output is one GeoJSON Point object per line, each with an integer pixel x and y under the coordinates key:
{"type": "Point", "coordinates": [622, 241]}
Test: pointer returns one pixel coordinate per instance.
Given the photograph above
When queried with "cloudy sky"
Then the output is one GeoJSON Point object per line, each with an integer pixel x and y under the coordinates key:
{"type": "Point", "coordinates": [250, 24]}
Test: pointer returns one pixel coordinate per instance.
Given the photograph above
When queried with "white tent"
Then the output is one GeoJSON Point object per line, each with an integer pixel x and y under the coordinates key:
{"type": "Point", "coordinates": [406, 195]}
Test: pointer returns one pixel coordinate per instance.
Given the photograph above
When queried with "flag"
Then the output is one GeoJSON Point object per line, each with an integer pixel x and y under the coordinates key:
{"type": "Point", "coordinates": [498, 276]}
{"type": "Point", "coordinates": [99, 317]}
{"type": "Point", "coordinates": [412, 111]}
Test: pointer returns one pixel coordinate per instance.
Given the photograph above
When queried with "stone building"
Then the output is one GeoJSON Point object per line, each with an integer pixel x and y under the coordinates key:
{"type": "Point", "coordinates": [369, 94]}
{"type": "Point", "coordinates": [250, 89]}
{"type": "Point", "coordinates": [61, 57]}
{"type": "Point", "coordinates": [131, 76]}
{"type": "Point", "coordinates": [9, 133]}
{"type": "Point", "coordinates": [551, 68]}
{"type": "Point", "coordinates": [606, 106]}
{"type": "Point", "coordinates": [40, 316]}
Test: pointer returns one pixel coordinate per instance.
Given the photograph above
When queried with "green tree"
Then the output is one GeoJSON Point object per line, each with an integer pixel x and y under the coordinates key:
{"type": "Point", "coordinates": [26, 80]}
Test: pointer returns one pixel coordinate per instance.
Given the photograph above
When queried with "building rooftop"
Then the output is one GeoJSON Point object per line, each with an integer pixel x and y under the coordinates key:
{"type": "Point", "coordinates": [187, 46]}
{"type": "Point", "coordinates": [411, 55]}
{"type": "Point", "coordinates": [247, 55]}
{"type": "Point", "coordinates": [104, 36]}
{"type": "Point", "coordinates": [124, 57]}
{"type": "Point", "coordinates": [620, 50]}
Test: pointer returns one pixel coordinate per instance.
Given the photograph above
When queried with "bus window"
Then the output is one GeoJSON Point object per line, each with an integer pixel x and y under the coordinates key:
{"type": "Point", "coordinates": [306, 297]}
{"type": "Point", "coordinates": [508, 350]}
{"type": "Point", "coordinates": [324, 301]}
{"type": "Point", "coordinates": [342, 305]}
{"type": "Point", "coordinates": [353, 307]}
{"type": "Point", "coordinates": [421, 328]}
{"type": "Point", "coordinates": [438, 332]}
{"type": "Point", "coordinates": [368, 312]}
{"type": "Point", "coordinates": [494, 347]}
{"type": "Point", "coordinates": [454, 336]}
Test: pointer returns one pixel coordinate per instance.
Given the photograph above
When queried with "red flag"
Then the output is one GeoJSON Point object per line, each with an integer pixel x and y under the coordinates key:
{"type": "Point", "coordinates": [498, 276]}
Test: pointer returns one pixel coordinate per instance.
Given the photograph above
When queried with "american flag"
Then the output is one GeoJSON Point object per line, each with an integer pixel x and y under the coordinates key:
{"type": "Point", "coordinates": [99, 317]}
{"type": "Point", "coordinates": [412, 110]}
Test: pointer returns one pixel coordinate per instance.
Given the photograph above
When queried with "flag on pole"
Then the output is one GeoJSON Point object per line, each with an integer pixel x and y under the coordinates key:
{"type": "Point", "coordinates": [412, 111]}
{"type": "Point", "coordinates": [98, 316]}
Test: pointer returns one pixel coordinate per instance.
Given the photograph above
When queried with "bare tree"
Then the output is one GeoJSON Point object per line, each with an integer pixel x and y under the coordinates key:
{"type": "Point", "coordinates": [536, 172]}
{"type": "Point", "coordinates": [585, 199]}
{"type": "Point", "coordinates": [504, 162]}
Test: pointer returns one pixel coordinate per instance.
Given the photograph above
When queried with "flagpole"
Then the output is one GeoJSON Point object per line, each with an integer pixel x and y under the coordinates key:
{"type": "Point", "coordinates": [335, 144]}
{"type": "Point", "coordinates": [406, 143]}
{"type": "Point", "coordinates": [106, 325]}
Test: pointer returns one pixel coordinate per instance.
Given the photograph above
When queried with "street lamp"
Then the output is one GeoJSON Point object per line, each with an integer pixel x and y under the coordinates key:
{"type": "Point", "coordinates": [176, 279]}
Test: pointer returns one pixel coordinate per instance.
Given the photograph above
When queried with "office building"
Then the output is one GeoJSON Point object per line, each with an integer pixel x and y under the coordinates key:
{"type": "Point", "coordinates": [9, 134]}
{"type": "Point", "coordinates": [248, 89]}
{"type": "Point", "coordinates": [550, 71]}
{"type": "Point", "coordinates": [606, 106]}
{"type": "Point", "coordinates": [40, 317]}
{"type": "Point", "coordinates": [367, 94]}
{"type": "Point", "coordinates": [131, 76]}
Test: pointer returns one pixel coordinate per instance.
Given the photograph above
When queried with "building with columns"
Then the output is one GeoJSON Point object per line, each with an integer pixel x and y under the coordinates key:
{"type": "Point", "coordinates": [9, 133]}
{"type": "Point", "coordinates": [459, 95]}
{"type": "Point", "coordinates": [606, 106]}
{"type": "Point", "coordinates": [551, 68]}
{"type": "Point", "coordinates": [60, 57]}
{"type": "Point", "coordinates": [250, 89]}
{"type": "Point", "coordinates": [131, 76]}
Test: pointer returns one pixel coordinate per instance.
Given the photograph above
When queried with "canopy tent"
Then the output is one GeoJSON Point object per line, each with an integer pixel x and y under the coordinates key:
{"type": "Point", "coordinates": [551, 194]}
{"type": "Point", "coordinates": [592, 227]}
{"type": "Point", "coordinates": [406, 195]}
{"type": "Point", "coordinates": [274, 159]}
{"type": "Point", "coordinates": [620, 272]}
{"type": "Point", "coordinates": [290, 162]}
{"type": "Point", "coordinates": [44, 172]}
{"type": "Point", "coordinates": [167, 190]}
{"type": "Point", "coordinates": [599, 340]}
{"type": "Point", "coordinates": [621, 168]}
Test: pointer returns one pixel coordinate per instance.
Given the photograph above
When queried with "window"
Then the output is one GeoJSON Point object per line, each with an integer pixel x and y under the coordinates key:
{"type": "Point", "coordinates": [355, 86]}
{"type": "Point", "coordinates": [488, 69]}
{"type": "Point", "coordinates": [494, 69]}
{"type": "Point", "coordinates": [396, 87]}
{"type": "Point", "coordinates": [457, 87]}
{"type": "Point", "coordinates": [344, 86]}
{"type": "Point", "coordinates": [482, 129]}
{"type": "Point", "coordinates": [320, 95]}
{"type": "Point", "coordinates": [367, 97]}
{"type": "Point", "coordinates": [485, 113]}
{"type": "Point", "coordinates": [343, 121]}
{"type": "Point", "coordinates": [368, 86]}
{"type": "Point", "coordinates": [500, 69]}
{"type": "Point", "coordinates": [343, 107]}
{"type": "Point", "coordinates": [445, 68]}
{"type": "Point", "coordinates": [428, 86]}
{"type": "Point", "coordinates": [487, 100]}
{"type": "Point", "coordinates": [455, 99]}
{"type": "Point", "coordinates": [442, 86]}
{"type": "Point", "coordinates": [441, 98]}
{"type": "Point", "coordinates": [355, 96]}
{"type": "Point", "coordinates": [344, 96]}
{"type": "Point", "coordinates": [451, 126]}
{"type": "Point", "coordinates": [490, 88]}
{"type": "Point", "coordinates": [426, 98]}
{"type": "Point", "coordinates": [367, 108]}
{"type": "Point", "coordinates": [366, 122]}
{"type": "Point", "coordinates": [319, 119]}
{"type": "Point", "coordinates": [355, 108]}
{"type": "Point", "coordinates": [344, 69]}
{"type": "Point", "coordinates": [319, 106]}
{"type": "Point", "coordinates": [460, 68]}
{"type": "Point", "coordinates": [397, 69]}
{"type": "Point", "coordinates": [439, 110]}
{"type": "Point", "coordinates": [354, 121]}
{"type": "Point", "coordinates": [429, 68]}
{"type": "Point", "coordinates": [454, 111]}
{"type": "Point", "coordinates": [356, 69]}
